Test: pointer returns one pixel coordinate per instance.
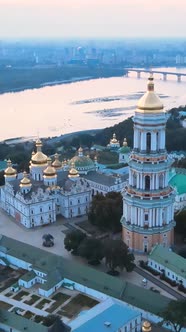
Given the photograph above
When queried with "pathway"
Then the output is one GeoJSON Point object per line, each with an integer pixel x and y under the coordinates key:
{"type": "Point", "coordinates": [23, 306]}
{"type": "Point", "coordinates": [159, 283]}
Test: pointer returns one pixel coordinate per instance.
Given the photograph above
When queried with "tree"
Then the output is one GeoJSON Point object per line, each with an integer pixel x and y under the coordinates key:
{"type": "Point", "coordinates": [92, 250]}
{"type": "Point", "coordinates": [55, 322]}
{"type": "Point", "coordinates": [73, 240]}
{"type": "Point", "coordinates": [180, 219]}
{"type": "Point", "coordinates": [175, 314]}
{"type": "Point", "coordinates": [48, 240]}
{"type": "Point", "coordinates": [106, 211]}
{"type": "Point", "coordinates": [116, 254]}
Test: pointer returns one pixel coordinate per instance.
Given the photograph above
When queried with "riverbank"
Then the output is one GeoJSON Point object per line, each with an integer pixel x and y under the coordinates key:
{"type": "Point", "coordinates": [20, 79]}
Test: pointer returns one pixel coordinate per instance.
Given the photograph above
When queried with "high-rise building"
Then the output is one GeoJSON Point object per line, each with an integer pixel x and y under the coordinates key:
{"type": "Point", "coordinates": [148, 199]}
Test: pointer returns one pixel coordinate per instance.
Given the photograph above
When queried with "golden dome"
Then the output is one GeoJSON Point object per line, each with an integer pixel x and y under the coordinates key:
{"type": "Point", "coordinates": [10, 171]}
{"type": "Point", "coordinates": [80, 149]}
{"type": "Point", "coordinates": [125, 142]}
{"type": "Point", "coordinates": [146, 326]}
{"type": "Point", "coordinates": [49, 171]}
{"type": "Point", "coordinates": [25, 182]}
{"type": "Point", "coordinates": [73, 173]}
{"type": "Point", "coordinates": [150, 102]}
{"type": "Point", "coordinates": [56, 163]}
{"type": "Point", "coordinates": [39, 158]}
{"type": "Point", "coordinates": [114, 140]}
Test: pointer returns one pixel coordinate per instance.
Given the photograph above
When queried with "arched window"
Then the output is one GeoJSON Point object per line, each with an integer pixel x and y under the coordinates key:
{"type": "Point", "coordinates": [148, 142]}
{"type": "Point", "coordinates": [147, 182]}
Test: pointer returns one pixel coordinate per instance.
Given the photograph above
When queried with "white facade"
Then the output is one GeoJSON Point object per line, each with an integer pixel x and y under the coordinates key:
{"type": "Point", "coordinates": [37, 198]}
{"type": "Point", "coordinates": [168, 272]}
{"type": "Point", "coordinates": [148, 199]}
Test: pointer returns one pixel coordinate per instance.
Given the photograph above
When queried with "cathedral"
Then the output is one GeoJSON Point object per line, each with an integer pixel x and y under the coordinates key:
{"type": "Point", "coordinates": [54, 188]}
{"type": "Point", "coordinates": [148, 200]}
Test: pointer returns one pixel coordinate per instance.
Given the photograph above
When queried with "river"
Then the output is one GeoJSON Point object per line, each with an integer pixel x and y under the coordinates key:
{"type": "Point", "coordinates": [98, 103]}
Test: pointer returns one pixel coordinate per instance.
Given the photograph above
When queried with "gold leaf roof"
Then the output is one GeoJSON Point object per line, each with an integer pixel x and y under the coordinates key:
{"type": "Point", "coordinates": [150, 102]}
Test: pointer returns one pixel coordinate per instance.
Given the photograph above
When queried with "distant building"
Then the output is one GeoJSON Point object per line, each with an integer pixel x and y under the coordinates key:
{"type": "Point", "coordinates": [178, 182]}
{"type": "Point", "coordinates": [124, 153]}
{"type": "Point", "coordinates": [114, 143]}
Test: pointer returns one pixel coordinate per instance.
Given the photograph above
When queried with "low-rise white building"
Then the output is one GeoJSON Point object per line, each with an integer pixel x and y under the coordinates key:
{"type": "Point", "coordinates": [164, 260]}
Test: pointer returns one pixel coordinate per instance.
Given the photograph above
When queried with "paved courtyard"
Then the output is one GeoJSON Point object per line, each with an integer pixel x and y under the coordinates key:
{"type": "Point", "coordinates": [9, 228]}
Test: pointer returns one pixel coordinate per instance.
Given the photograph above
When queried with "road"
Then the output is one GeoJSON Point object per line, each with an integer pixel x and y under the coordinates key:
{"type": "Point", "coordinates": [159, 283]}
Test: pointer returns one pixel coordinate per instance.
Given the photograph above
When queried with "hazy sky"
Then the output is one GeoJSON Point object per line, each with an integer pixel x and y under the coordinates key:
{"type": "Point", "coordinates": [92, 18]}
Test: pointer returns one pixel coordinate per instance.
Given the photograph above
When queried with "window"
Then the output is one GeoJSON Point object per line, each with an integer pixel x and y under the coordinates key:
{"type": "Point", "coordinates": [147, 182]}
{"type": "Point", "coordinates": [49, 207]}
{"type": "Point", "coordinates": [148, 142]}
{"type": "Point", "coordinates": [41, 210]}
{"type": "Point", "coordinates": [146, 217]}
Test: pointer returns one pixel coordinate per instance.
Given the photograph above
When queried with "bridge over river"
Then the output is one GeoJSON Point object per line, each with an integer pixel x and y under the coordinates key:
{"type": "Point", "coordinates": [164, 73]}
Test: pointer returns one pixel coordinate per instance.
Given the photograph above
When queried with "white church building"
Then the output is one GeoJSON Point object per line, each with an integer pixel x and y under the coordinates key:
{"type": "Point", "coordinates": [54, 188]}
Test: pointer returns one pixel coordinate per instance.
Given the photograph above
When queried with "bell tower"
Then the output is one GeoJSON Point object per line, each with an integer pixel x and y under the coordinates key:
{"type": "Point", "coordinates": [148, 199]}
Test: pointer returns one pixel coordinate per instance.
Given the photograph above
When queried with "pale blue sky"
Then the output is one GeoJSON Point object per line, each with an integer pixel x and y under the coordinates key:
{"type": "Point", "coordinates": [92, 18]}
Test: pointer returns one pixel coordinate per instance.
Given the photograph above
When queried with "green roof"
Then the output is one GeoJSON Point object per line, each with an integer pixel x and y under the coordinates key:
{"type": "Point", "coordinates": [30, 275]}
{"type": "Point", "coordinates": [82, 161]}
{"type": "Point", "coordinates": [58, 268]}
{"type": "Point", "coordinates": [179, 181]}
{"type": "Point", "coordinates": [20, 323]}
{"type": "Point", "coordinates": [169, 259]}
{"type": "Point", "coordinates": [124, 149]}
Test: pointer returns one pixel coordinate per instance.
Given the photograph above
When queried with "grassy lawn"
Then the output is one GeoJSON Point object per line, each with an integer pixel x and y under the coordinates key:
{"type": "Point", "coordinates": [28, 314]}
{"type": "Point", "coordinates": [38, 319]}
{"type": "Point", "coordinates": [41, 303]}
{"type": "Point", "coordinates": [32, 300]}
{"type": "Point", "coordinates": [60, 298]}
{"type": "Point", "coordinates": [19, 295]}
{"type": "Point", "coordinates": [9, 294]}
{"type": "Point", "coordinates": [4, 305]}
{"type": "Point", "coordinates": [9, 282]}
{"type": "Point", "coordinates": [77, 304]}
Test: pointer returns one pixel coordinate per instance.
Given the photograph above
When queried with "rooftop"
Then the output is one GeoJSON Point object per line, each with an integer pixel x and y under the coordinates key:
{"type": "Point", "coordinates": [169, 259]}
{"type": "Point", "coordinates": [179, 181]}
{"type": "Point", "coordinates": [58, 267]}
{"type": "Point", "coordinates": [110, 314]}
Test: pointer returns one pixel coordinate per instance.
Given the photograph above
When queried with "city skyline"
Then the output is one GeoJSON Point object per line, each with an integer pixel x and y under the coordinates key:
{"type": "Point", "coordinates": [91, 19]}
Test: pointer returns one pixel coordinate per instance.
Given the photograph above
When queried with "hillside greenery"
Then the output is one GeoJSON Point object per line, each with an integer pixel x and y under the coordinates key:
{"type": "Point", "coordinates": [15, 79]}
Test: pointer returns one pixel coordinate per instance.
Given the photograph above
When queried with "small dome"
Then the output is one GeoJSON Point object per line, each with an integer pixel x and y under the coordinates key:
{"type": "Point", "coordinates": [80, 149]}
{"type": "Point", "coordinates": [150, 102]}
{"type": "Point", "coordinates": [39, 158]}
{"type": "Point", "coordinates": [73, 173]}
{"type": "Point", "coordinates": [10, 171]}
{"type": "Point", "coordinates": [125, 148]}
{"type": "Point", "coordinates": [25, 182]}
{"type": "Point", "coordinates": [146, 326]}
{"type": "Point", "coordinates": [114, 140]}
{"type": "Point", "coordinates": [49, 171]}
{"type": "Point", "coordinates": [56, 163]}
